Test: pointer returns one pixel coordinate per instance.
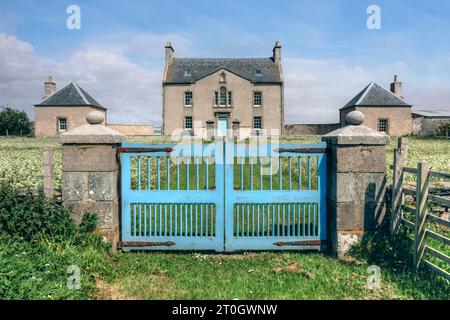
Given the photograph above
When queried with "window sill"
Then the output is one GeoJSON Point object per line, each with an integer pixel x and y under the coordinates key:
{"type": "Point", "coordinates": [216, 106]}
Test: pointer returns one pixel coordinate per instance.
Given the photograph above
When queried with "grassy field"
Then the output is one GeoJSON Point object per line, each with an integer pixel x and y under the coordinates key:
{"type": "Point", "coordinates": [39, 270]}
{"type": "Point", "coordinates": [21, 158]}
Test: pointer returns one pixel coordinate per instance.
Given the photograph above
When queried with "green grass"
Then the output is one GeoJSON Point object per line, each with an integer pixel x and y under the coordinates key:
{"type": "Point", "coordinates": [39, 270]}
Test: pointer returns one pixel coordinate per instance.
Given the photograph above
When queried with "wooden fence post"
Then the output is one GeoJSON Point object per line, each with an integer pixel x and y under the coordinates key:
{"type": "Point", "coordinates": [423, 178]}
{"type": "Point", "coordinates": [400, 158]}
{"type": "Point", "coordinates": [48, 172]}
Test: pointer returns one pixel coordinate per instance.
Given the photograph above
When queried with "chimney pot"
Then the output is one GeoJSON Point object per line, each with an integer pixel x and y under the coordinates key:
{"type": "Point", "coordinates": [396, 87]}
{"type": "Point", "coordinates": [277, 52]}
{"type": "Point", "coordinates": [49, 87]}
{"type": "Point", "coordinates": [169, 53]}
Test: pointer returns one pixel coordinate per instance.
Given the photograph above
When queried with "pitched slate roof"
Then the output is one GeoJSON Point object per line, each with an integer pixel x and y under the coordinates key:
{"type": "Point", "coordinates": [432, 113]}
{"type": "Point", "coordinates": [376, 95]}
{"type": "Point", "coordinates": [257, 70]}
{"type": "Point", "coordinates": [70, 95]}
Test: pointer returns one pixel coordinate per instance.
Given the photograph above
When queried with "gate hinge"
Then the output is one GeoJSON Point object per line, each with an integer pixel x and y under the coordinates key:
{"type": "Point", "coordinates": [146, 244]}
{"type": "Point", "coordinates": [299, 243]}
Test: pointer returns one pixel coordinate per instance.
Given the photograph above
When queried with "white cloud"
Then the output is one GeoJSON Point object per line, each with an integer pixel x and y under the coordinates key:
{"type": "Point", "coordinates": [132, 90]}
{"type": "Point", "coordinates": [132, 93]}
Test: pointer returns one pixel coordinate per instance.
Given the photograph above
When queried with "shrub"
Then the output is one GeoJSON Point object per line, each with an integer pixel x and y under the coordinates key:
{"type": "Point", "coordinates": [32, 216]}
{"type": "Point", "coordinates": [444, 130]}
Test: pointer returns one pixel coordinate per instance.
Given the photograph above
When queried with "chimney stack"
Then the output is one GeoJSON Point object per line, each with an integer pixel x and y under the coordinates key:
{"type": "Point", "coordinates": [169, 53]}
{"type": "Point", "coordinates": [277, 52]}
{"type": "Point", "coordinates": [50, 87]}
{"type": "Point", "coordinates": [396, 87]}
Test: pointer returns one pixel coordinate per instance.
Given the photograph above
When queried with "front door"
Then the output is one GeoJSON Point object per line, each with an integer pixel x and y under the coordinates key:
{"type": "Point", "coordinates": [222, 125]}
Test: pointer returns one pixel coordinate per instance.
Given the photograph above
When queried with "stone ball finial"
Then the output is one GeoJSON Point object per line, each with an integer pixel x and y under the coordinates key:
{"type": "Point", "coordinates": [95, 117]}
{"type": "Point", "coordinates": [354, 118]}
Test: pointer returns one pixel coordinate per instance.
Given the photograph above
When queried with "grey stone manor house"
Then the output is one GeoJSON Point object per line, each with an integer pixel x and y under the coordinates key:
{"type": "Point", "coordinates": [222, 94]}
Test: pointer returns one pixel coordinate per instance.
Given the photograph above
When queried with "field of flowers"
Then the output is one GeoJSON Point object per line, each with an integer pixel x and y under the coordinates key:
{"type": "Point", "coordinates": [21, 161]}
{"type": "Point", "coordinates": [21, 158]}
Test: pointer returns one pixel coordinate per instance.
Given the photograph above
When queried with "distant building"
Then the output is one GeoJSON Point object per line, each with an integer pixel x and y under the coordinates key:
{"type": "Point", "coordinates": [427, 122]}
{"type": "Point", "coordinates": [63, 109]}
{"type": "Point", "coordinates": [67, 108]}
{"type": "Point", "coordinates": [384, 110]}
{"type": "Point", "coordinates": [225, 93]}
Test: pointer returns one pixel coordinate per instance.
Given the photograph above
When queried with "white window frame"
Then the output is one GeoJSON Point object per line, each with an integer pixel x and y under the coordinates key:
{"type": "Point", "coordinates": [186, 122]}
{"type": "Point", "coordinates": [60, 124]}
{"type": "Point", "coordinates": [386, 125]}
{"type": "Point", "coordinates": [186, 93]}
{"type": "Point", "coordinates": [223, 97]}
{"type": "Point", "coordinates": [260, 122]}
{"type": "Point", "coordinates": [255, 93]}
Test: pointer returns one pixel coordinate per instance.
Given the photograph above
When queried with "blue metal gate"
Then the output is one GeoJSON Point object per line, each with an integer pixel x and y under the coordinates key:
{"type": "Point", "coordinates": [223, 196]}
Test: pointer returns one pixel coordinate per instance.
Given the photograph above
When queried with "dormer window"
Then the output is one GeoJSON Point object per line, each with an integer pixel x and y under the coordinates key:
{"type": "Point", "coordinates": [258, 73]}
{"type": "Point", "coordinates": [187, 73]}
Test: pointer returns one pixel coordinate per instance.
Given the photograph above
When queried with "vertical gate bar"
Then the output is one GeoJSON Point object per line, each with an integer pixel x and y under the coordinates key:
{"type": "Point", "coordinates": [251, 173]}
{"type": "Point", "coordinates": [158, 169]}
{"type": "Point", "coordinates": [170, 220]}
{"type": "Point", "coordinates": [207, 172]}
{"type": "Point", "coordinates": [260, 174]}
{"type": "Point", "coordinates": [299, 164]}
{"type": "Point", "coordinates": [134, 218]}
{"type": "Point", "coordinates": [176, 219]}
{"type": "Point", "coordinates": [253, 219]}
{"type": "Point", "coordinates": [160, 219]}
{"type": "Point", "coordinates": [283, 206]}
{"type": "Point", "coordinates": [258, 220]}
{"type": "Point", "coordinates": [154, 219]}
{"type": "Point", "coordinates": [248, 220]}
{"type": "Point", "coordinates": [149, 174]}
{"type": "Point", "coordinates": [289, 219]}
{"type": "Point", "coordinates": [139, 172]}
{"type": "Point", "coordinates": [273, 219]}
{"type": "Point", "coordinates": [165, 219]}
{"type": "Point", "coordinates": [242, 173]}
{"type": "Point", "coordinates": [201, 220]}
{"type": "Point", "coordinates": [196, 220]}
{"type": "Point", "coordinates": [190, 214]}
{"type": "Point", "coordinates": [271, 159]}
{"type": "Point", "coordinates": [197, 173]}
{"type": "Point", "coordinates": [322, 186]}
{"type": "Point", "coordinates": [206, 218]}
{"type": "Point", "coordinates": [212, 219]}
{"type": "Point", "coordinates": [188, 160]}
{"type": "Point", "coordinates": [298, 220]}
{"type": "Point", "coordinates": [145, 218]}
{"type": "Point", "coordinates": [263, 220]}
{"type": "Point", "coordinates": [185, 220]}
{"type": "Point", "coordinates": [304, 220]}
{"type": "Point", "coordinates": [278, 219]}
{"type": "Point", "coordinates": [178, 173]}
{"type": "Point", "coordinates": [309, 219]}
{"type": "Point", "coordinates": [236, 206]}
{"type": "Point", "coordinates": [150, 225]}
{"type": "Point", "coordinates": [242, 220]}
{"type": "Point", "coordinates": [309, 173]}
{"type": "Point", "coordinates": [280, 174]}
{"type": "Point", "coordinates": [290, 173]}
{"type": "Point", "coordinates": [168, 172]}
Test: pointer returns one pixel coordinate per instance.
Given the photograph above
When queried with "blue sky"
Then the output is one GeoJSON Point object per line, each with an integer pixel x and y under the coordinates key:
{"type": "Point", "coordinates": [328, 53]}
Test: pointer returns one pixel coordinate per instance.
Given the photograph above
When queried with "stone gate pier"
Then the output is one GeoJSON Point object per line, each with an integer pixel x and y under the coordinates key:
{"type": "Point", "coordinates": [356, 182]}
{"type": "Point", "coordinates": [90, 176]}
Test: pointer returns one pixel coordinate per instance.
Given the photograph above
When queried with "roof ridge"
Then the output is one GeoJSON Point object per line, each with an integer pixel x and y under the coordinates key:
{"type": "Point", "coordinates": [390, 92]}
{"type": "Point", "coordinates": [365, 93]}
{"type": "Point", "coordinates": [80, 92]}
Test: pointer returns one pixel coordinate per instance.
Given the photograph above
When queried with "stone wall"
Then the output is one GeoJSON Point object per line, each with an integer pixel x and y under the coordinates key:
{"type": "Point", "coordinates": [309, 129]}
{"type": "Point", "coordinates": [428, 126]}
{"type": "Point", "coordinates": [133, 129]}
